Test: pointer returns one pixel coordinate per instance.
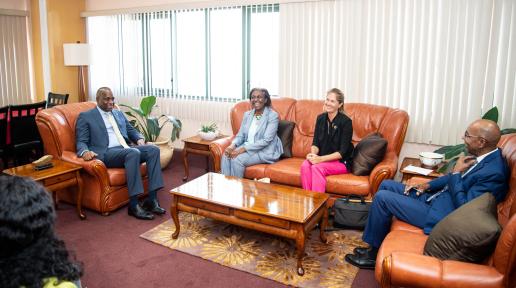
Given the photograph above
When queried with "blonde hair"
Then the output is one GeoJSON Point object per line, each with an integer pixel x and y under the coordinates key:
{"type": "Point", "coordinates": [340, 97]}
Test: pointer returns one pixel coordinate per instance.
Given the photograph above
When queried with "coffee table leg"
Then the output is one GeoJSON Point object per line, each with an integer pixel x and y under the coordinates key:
{"type": "Point", "coordinates": [323, 223]}
{"type": "Point", "coordinates": [300, 246]}
{"type": "Point", "coordinates": [175, 216]}
{"type": "Point", "coordinates": [185, 162]}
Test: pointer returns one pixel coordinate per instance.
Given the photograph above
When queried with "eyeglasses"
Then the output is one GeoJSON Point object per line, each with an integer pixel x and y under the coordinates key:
{"type": "Point", "coordinates": [467, 136]}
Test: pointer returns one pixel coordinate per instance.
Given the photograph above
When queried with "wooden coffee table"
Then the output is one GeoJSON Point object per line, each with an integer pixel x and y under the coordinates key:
{"type": "Point", "coordinates": [276, 209]}
{"type": "Point", "coordinates": [62, 175]}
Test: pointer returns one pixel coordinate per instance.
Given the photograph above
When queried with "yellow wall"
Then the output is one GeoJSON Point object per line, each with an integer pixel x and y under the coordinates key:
{"type": "Point", "coordinates": [64, 26]}
{"type": "Point", "coordinates": [36, 51]}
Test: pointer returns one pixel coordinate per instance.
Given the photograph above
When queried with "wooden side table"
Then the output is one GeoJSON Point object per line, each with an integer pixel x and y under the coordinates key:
{"type": "Point", "coordinates": [415, 162]}
{"type": "Point", "coordinates": [62, 175]}
{"type": "Point", "coordinates": [196, 145]}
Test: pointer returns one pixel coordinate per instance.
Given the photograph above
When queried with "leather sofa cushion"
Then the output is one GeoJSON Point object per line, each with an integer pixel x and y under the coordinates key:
{"type": "Point", "coordinates": [255, 171]}
{"type": "Point", "coordinates": [467, 234]}
{"type": "Point", "coordinates": [286, 171]}
{"type": "Point", "coordinates": [285, 130]}
{"type": "Point", "coordinates": [368, 152]}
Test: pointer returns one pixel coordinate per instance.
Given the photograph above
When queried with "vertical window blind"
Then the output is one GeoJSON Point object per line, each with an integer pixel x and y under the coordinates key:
{"type": "Point", "coordinates": [444, 62]}
{"type": "Point", "coordinates": [15, 87]}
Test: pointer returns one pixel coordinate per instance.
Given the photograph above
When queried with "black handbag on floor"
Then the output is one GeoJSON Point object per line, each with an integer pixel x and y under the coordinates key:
{"type": "Point", "coordinates": [351, 212]}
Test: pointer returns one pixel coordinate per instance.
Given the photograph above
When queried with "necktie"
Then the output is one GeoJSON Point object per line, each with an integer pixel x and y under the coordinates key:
{"type": "Point", "coordinates": [118, 135]}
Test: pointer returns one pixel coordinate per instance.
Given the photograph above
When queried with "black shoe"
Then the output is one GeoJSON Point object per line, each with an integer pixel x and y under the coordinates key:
{"type": "Point", "coordinates": [360, 250]}
{"type": "Point", "coordinates": [361, 261]}
{"type": "Point", "coordinates": [138, 212]}
{"type": "Point", "coordinates": [153, 206]}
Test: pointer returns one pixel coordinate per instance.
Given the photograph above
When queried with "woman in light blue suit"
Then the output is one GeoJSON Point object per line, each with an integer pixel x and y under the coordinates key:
{"type": "Point", "coordinates": [257, 141]}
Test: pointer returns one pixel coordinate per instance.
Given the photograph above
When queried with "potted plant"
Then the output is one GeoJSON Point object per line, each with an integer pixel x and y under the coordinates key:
{"type": "Point", "coordinates": [208, 131]}
{"type": "Point", "coordinates": [452, 152]}
{"type": "Point", "coordinates": [151, 127]}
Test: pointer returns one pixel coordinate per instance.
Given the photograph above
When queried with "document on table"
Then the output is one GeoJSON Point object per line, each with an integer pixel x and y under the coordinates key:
{"type": "Point", "coordinates": [418, 170]}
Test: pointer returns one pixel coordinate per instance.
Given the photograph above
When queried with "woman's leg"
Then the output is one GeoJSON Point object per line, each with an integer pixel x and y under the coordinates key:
{"type": "Point", "coordinates": [321, 170]}
{"type": "Point", "coordinates": [239, 163]}
{"type": "Point", "coordinates": [225, 165]}
{"type": "Point", "coordinates": [306, 175]}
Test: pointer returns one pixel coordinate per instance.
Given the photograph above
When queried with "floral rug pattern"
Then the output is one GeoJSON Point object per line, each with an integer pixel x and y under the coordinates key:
{"type": "Point", "coordinates": [263, 254]}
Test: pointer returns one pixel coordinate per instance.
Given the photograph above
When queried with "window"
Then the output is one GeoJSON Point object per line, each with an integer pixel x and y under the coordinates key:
{"type": "Point", "coordinates": [210, 54]}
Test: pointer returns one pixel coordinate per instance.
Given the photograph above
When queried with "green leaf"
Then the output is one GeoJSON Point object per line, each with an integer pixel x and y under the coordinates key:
{"type": "Point", "coordinates": [443, 149]}
{"type": "Point", "coordinates": [153, 128]}
{"type": "Point", "coordinates": [147, 104]}
{"type": "Point", "coordinates": [448, 166]}
{"type": "Point", "coordinates": [492, 114]}
{"type": "Point", "coordinates": [508, 131]}
{"type": "Point", "coordinates": [134, 109]}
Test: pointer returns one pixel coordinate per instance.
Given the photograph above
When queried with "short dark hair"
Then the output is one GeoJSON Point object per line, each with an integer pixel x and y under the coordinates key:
{"type": "Point", "coordinates": [103, 91]}
{"type": "Point", "coordinates": [30, 251]}
{"type": "Point", "coordinates": [265, 93]}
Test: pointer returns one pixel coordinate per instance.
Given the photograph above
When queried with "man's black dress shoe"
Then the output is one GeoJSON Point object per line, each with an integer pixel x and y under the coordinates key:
{"type": "Point", "coordinates": [360, 250]}
{"type": "Point", "coordinates": [138, 212]}
{"type": "Point", "coordinates": [361, 261]}
{"type": "Point", "coordinates": [153, 206]}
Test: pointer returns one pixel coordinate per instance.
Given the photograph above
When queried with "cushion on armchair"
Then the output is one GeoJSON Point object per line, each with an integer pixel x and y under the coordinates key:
{"type": "Point", "coordinates": [368, 152]}
{"type": "Point", "coordinates": [467, 234]}
{"type": "Point", "coordinates": [285, 130]}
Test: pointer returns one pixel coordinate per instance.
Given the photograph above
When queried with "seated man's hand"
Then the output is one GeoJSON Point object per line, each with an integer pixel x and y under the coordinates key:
{"type": "Point", "coordinates": [88, 155]}
{"type": "Point", "coordinates": [464, 163]}
{"type": "Point", "coordinates": [419, 187]}
{"type": "Point", "coordinates": [140, 142]}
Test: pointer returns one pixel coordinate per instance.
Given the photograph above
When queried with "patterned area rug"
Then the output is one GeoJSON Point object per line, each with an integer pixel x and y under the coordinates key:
{"type": "Point", "coordinates": [263, 254]}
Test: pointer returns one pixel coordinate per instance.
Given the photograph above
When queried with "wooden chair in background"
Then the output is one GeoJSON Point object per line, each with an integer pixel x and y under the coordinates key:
{"type": "Point", "coordinates": [25, 139]}
{"type": "Point", "coordinates": [4, 144]}
{"type": "Point", "coordinates": [56, 99]}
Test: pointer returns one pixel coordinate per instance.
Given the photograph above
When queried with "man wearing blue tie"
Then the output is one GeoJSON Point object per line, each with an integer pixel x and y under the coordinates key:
{"type": "Point", "coordinates": [104, 133]}
{"type": "Point", "coordinates": [425, 204]}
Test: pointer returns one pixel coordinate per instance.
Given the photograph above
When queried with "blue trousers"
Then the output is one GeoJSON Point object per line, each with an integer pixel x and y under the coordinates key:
{"type": "Point", "coordinates": [390, 201]}
{"type": "Point", "coordinates": [130, 159]}
{"type": "Point", "coordinates": [236, 166]}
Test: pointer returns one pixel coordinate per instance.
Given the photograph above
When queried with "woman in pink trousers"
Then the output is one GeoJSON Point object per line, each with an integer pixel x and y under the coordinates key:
{"type": "Point", "coordinates": [331, 149]}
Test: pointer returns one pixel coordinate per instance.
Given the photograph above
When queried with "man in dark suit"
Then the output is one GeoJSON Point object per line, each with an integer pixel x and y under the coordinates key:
{"type": "Point", "coordinates": [104, 133]}
{"type": "Point", "coordinates": [425, 204]}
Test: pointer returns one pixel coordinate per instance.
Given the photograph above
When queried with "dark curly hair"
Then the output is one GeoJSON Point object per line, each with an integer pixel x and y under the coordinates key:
{"type": "Point", "coordinates": [265, 93]}
{"type": "Point", "coordinates": [30, 251]}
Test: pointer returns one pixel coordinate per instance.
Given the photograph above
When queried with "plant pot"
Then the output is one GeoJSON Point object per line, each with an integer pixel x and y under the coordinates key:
{"type": "Point", "coordinates": [165, 152]}
{"type": "Point", "coordinates": [208, 136]}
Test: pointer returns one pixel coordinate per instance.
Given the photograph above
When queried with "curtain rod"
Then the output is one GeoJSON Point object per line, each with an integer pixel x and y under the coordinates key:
{"type": "Point", "coordinates": [189, 5]}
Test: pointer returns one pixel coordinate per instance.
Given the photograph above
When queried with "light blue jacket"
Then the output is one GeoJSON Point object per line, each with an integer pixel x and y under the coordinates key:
{"type": "Point", "coordinates": [266, 141]}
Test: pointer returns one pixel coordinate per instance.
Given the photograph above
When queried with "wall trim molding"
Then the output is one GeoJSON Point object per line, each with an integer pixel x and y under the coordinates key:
{"type": "Point", "coordinates": [12, 12]}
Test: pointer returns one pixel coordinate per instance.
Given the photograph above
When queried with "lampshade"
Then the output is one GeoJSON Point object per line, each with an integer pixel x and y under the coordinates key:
{"type": "Point", "coordinates": [76, 54]}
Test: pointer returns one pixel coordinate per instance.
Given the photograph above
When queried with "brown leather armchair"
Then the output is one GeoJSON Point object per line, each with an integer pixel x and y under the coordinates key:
{"type": "Point", "coordinates": [104, 189]}
{"type": "Point", "coordinates": [367, 118]}
{"type": "Point", "coordinates": [401, 263]}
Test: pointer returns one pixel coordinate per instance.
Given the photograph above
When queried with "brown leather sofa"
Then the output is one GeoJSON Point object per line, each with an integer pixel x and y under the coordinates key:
{"type": "Point", "coordinates": [104, 189]}
{"type": "Point", "coordinates": [401, 263]}
{"type": "Point", "coordinates": [367, 118]}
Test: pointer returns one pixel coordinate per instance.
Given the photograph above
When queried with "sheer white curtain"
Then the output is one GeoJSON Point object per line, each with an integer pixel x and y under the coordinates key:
{"type": "Point", "coordinates": [15, 87]}
{"type": "Point", "coordinates": [428, 57]}
{"type": "Point", "coordinates": [114, 67]}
